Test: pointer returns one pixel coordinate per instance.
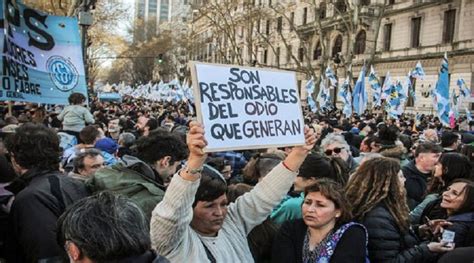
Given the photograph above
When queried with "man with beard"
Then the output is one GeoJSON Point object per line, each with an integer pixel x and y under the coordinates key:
{"type": "Point", "coordinates": [114, 128]}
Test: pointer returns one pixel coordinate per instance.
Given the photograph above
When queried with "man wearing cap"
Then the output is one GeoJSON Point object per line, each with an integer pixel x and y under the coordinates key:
{"type": "Point", "coordinates": [144, 176]}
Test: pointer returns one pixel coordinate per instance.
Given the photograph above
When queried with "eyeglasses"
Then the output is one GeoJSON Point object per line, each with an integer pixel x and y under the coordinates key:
{"type": "Point", "coordinates": [328, 152]}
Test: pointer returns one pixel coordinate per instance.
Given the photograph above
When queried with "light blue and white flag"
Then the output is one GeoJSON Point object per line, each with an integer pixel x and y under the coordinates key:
{"type": "Point", "coordinates": [418, 71]}
{"type": "Point", "coordinates": [442, 92]}
{"type": "Point", "coordinates": [359, 99]}
{"type": "Point", "coordinates": [386, 87]}
{"type": "Point", "coordinates": [345, 95]}
{"type": "Point", "coordinates": [310, 90]}
{"type": "Point", "coordinates": [324, 96]}
{"type": "Point", "coordinates": [331, 77]}
{"type": "Point", "coordinates": [376, 88]}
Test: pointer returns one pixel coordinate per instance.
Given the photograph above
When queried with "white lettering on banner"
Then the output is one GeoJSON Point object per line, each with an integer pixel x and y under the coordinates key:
{"type": "Point", "coordinates": [247, 108]}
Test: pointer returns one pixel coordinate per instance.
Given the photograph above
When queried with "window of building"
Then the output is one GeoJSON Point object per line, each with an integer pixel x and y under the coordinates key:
{"type": "Point", "coordinates": [292, 18]}
{"type": "Point", "coordinates": [279, 24]}
{"type": "Point", "coordinates": [341, 6]}
{"type": "Point", "coordinates": [365, 2]}
{"type": "Point", "coordinates": [337, 47]}
{"type": "Point", "coordinates": [387, 37]}
{"type": "Point", "coordinates": [265, 56]}
{"type": "Point", "coordinates": [258, 25]}
{"type": "Point", "coordinates": [360, 43]}
{"type": "Point", "coordinates": [322, 10]}
{"type": "Point", "coordinates": [415, 31]}
{"type": "Point", "coordinates": [391, 2]}
{"type": "Point", "coordinates": [267, 30]}
{"type": "Point", "coordinates": [305, 15]}
{"type": "Point", "coordinates": [317, 52]}
{"type": "Point", "coordinates": [301, 54]}
{"type": "Point", "coordinates": [449, 23]}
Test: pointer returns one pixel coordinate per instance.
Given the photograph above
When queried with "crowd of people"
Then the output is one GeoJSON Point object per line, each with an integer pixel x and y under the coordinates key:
{"type": "Point", "coordinates": [130, 182]}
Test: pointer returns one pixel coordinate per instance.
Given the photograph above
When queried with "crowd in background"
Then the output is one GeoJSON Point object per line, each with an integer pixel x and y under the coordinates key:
{"type": "Point", "coordinates": [129, 182]}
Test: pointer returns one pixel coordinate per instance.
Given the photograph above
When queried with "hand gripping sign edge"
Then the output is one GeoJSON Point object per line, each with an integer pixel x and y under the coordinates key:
{"type": "Point", "coordinates": [63, 73]}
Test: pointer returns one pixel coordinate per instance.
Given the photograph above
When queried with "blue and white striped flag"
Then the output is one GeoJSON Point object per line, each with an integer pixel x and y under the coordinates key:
{"type": "Point", "coordinates": [376, 88]}
{"type": "Point", "coordinates": [418, 71]}
{"type": "Point", "coordinates": [359, 99]}
{"type": "Point", "coordinates": [310, 90]}
{"type": "Point", "coordinates": [345, 95]}
{"type": "Point", "coordinates": [442, 92]}
{"type": "Point", "coordinates": [331, 77]}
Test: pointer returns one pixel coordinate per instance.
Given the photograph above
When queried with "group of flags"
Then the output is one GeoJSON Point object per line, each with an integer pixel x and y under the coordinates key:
{"type": "Point", "coordinates": [173, 92]}
{"type": "Point", "coordinates": [394, 93]}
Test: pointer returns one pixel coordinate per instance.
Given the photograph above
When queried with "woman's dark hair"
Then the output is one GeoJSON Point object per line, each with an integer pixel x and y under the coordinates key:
{"type": "Point", "coordinates": [35, 146]}
{"type": "Point", "coordinates": [259, 166]}
{"type": "Point", "coordinates": [217, 163]}
{"type": "Point", "coordinates": [76, 98]}
{"type": "Point", "coordinates": [468, 201]}
{"type": "Point", "coordinates": [468, 150]}
{"type": "Point", "coordinates": [89, 134]}
{"type": "Point", "coordinates": [236, 190]}
{"type": "Point", "coordinates": [334, 192]}
{"type": "Point", "coordinates": [376, 182]}
{"type": "Point", "coordinates": [387, 134]}
{"type": "Point", "coordinates": [317, 167]}
{"type": "Point", "coordinates": [455, 166]}
{"type": "Point", "coordinates": [105, 227]}
{"type": "Point", "coordinates": [211, 187]}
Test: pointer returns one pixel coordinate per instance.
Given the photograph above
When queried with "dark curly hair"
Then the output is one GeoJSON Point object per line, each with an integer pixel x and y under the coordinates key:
{"type": "Point", "coordinates": [35, 146]}
{"type": "Point", "coordinates": [159, 144]}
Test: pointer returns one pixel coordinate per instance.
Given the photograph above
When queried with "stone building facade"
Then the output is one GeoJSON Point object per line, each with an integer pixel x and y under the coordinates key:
{"type": "Point", "coordinates": [393, 34]}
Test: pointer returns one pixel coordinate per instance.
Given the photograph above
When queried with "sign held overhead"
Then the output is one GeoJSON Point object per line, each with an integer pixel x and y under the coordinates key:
{"type": "Point", "coordinates": [247, 108]}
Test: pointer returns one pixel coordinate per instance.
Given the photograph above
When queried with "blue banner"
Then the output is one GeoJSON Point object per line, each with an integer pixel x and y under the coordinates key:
{"type": "Point", "coordinates": [42, 56]}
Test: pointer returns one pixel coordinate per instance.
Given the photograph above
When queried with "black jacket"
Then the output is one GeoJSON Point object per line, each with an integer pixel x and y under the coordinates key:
{"type": "Point", "coordinates": [40, 198]}
{"type": "Point", "coordinates": [388, 244]}
{"type": "Point", "coordinates": [415, 184]}
{"type": "Point", "coordinates": [462, 225]}
{"type": "Point", "coordinates": [288, 244]}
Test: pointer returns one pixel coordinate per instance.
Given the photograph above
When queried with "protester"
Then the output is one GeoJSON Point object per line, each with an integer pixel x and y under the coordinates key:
{"type": "Point", "coordinates": [75, 116]}
{"type": "Point", "coordinates": [125, 141]}
{"type": "Point", "coordinates": [106, 228]}
{"type": "Point", "coordinates": [313, 168]}
{"type": "Point", "coordinates": [336, 146]}
{"type": "Point", "coordinates": [193, 222]}
{"type": "Point", "coordinates": [144, 177]}
{"type": "Point", "coordinates": [418, 171]}
{"type": "Point", "coordinates": [325, 233]}
{"type": "Point", "coordinates": [41, 193]}
{"type": "Point", "coordinates": [450, 141]}
{"type": "Point", "coordinates": [451, 166]}
{"type": "Point", "coordinates": [378, 201]}
{"type": "Point", "coordinates": [458, 200]}
{"type": "Point", "coordinates": [86, 164]}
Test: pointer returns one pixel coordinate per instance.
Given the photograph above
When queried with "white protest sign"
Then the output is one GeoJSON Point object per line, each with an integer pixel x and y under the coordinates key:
{"type": "Point", "coordinates": [247, 108]}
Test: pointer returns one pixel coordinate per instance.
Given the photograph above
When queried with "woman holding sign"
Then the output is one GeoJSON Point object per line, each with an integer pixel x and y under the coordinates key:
{"type": "Point", "coordinates": [193, 222]}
